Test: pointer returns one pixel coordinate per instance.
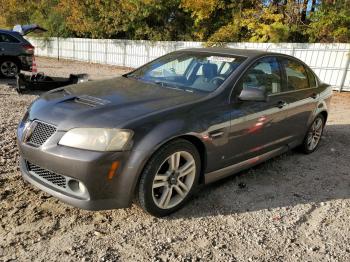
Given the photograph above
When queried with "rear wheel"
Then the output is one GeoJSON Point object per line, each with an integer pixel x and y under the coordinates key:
{"type": "Point", "coordinates": [8, 68]}
{"type": "Point", "coordinates": [169, 178]}
{"type": "Point", "coordinates": [313, 136]}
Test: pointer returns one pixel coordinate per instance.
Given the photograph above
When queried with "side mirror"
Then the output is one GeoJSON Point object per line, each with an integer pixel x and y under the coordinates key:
{"type": "Point", "coordinates": [253, 94]}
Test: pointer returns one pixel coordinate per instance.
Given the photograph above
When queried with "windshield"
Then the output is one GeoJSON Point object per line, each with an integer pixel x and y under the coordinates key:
{"type": "Point", "coordinates": [203, 72]}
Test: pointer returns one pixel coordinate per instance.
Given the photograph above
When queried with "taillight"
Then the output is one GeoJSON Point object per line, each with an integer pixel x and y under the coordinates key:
{"type": "Point", "coordinates": [29, 49]}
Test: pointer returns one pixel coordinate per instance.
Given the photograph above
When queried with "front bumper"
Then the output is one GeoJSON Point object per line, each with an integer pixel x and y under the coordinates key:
{"type": "Point", "coordinates": [91, 168]}
{"type": "Point", "coordinates": [87, 204]}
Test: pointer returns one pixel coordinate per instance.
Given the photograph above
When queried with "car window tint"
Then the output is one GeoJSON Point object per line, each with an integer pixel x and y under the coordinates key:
{"type": "Point", "coordinates": [296, 75]}
{"type": "Point", "coordinates": [188, 71]}
{"type": "Point", "coordinates": [312, 79]}
{"type": "Point", "coordinates": [8, 39]}
{"type": "Point", "coordinates": [264, 74]}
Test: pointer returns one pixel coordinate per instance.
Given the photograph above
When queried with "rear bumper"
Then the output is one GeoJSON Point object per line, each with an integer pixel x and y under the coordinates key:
{"type": "Point", "coordinates": [26, 62]}
{"type": "Point", "coordinates": [91, 168]}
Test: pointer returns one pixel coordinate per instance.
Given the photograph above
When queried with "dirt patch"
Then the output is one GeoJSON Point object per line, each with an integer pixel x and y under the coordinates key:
{"type": "Point", "coordinates": [63, 67]}
{"type": "Point", "coordinates": [293, 208]}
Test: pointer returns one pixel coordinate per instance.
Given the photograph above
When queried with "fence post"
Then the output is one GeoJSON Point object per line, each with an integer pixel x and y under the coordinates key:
{"type": "Point", "coordinates": [147, 53]}
{"type": "Point", "coordinates": [347, 65]}
{"type": "Point", "coordinates": [106, 55]}
{"type": "Point", "coordinates": [58, 48]}
{"type": "Point", "coordinates": [73, 48]}
{"type": "Point", "coordinates": [89, 50]}
{"type": "Point", "coordinates": [124, 52]}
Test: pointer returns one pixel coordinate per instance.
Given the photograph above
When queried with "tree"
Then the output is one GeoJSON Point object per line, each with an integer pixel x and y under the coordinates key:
{"type": "Point", "coordinates": [133, 19]}
{"type": "Point", "coordinates": [330, 22]}
{"type": "Point", "coordinates": [214, 21]}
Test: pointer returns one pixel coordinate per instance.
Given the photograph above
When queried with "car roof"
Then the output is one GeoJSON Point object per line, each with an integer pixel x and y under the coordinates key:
{"type": "Point", "coordinates": [8, 31]}
{"type": "Point", "coordinates": [250, 53]}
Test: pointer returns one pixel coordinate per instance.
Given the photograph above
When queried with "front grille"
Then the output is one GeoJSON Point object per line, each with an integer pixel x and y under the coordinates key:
{"type": "Point", "coordinates": [41, 133]}
{"type": "Point", "coordinates": [47, 175]}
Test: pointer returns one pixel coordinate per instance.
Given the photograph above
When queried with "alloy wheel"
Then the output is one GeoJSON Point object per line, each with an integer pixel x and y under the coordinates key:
{"type": "Point", "coordinates": [9, 69]}
{"type": "Point", "coordinates": [315, 133]}
{"type": "Point", "coordinates": [174, 180]}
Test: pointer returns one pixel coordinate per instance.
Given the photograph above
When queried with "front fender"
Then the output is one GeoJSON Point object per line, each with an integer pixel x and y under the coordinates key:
{"type": "Point", "coordinates": [144, 148]}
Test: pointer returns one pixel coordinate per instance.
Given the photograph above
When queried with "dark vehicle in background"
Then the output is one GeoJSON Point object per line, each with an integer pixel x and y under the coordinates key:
{"type": "Point", "coordinates": [188, 118]}
{"type": "Point", "coordinates": [16, 53]}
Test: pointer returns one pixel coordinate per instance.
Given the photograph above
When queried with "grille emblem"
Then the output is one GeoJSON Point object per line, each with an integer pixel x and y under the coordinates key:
{"type": "Point", "coordinates": [28, 129]}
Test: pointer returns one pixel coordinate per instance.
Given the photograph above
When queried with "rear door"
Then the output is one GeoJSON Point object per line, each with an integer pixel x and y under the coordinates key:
{"type": "Point", "coordinates": [300, 89]}
{"type": "Point", "coordinates": [259, 127]}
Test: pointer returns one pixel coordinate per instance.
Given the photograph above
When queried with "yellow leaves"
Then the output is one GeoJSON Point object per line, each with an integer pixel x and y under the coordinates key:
{"type": "Point", "coordinates": [264, 25]}
{"type": "Point", "coordinates": [228, 33]}
{"type": "Point", "coordinates": [73, 11]}
{"type": "Point", "coordinates": [201, 9]}
{"type": "Point", "coordinates": [204, 20]}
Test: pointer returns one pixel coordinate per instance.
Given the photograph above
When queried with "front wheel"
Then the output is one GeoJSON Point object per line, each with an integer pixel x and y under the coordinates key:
{"type": "Point", "coordinates": [169, 178]}
{"type": "Point", "coordinates": [313, 136]}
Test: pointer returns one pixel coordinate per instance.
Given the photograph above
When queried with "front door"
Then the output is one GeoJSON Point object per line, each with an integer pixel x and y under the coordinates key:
{"type": "Point", "coordinates": [258, 127]}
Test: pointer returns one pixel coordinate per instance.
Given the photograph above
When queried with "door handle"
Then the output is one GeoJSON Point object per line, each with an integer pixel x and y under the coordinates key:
{"type": "Point", "coordinates": [216, 134]}
{"type": "Point", "coordinates": [281, 104]}
{"type": "Point", "coordinates": [314, 95]}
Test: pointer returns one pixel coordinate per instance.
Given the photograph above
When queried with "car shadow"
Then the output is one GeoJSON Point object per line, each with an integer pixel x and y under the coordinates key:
{"type": "Point", "coordinates": [282, 182]}
{"type": "Point", "coordinates": [11, 84]}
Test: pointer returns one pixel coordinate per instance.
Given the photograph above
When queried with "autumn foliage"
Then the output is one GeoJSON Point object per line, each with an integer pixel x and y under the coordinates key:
{"type": "Point", "coordinates": [199, 20]}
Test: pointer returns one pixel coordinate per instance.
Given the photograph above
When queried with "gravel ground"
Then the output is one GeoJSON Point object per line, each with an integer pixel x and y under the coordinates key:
{"type": "Point", "coordinates": [293, 208]}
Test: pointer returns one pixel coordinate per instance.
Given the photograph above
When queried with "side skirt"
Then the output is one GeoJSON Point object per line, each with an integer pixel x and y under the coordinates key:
{"type": "Point", "coordinates": [230, 170]}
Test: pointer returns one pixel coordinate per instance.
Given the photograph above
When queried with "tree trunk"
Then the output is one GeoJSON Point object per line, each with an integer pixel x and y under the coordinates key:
{"type": "Point", "coordinates": [303, 11]}
{"type": "Point", "coordinates": [313, 5]}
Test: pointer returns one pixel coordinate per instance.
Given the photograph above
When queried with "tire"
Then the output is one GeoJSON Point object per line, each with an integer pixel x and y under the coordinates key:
{"type": "Point", "coordinates": [313, 135]}
{"type": "Point", "coordinates": [160, 196]}
{"type": "Point", "coordinates": [9, 68]}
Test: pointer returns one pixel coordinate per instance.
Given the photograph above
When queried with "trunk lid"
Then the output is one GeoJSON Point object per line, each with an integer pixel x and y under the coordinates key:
{"type": "Point", "coordinates": [26, 29]}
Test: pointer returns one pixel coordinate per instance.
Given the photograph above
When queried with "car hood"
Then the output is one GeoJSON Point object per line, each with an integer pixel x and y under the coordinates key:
{"type": "Point", "coordinates": [106, 103]}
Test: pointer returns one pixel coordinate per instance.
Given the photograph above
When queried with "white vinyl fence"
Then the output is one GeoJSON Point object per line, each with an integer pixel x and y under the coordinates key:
{"type": "Point", "coordinates": [331, 62]}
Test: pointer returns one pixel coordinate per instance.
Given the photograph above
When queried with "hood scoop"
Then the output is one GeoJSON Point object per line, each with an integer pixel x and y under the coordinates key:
{"type": "Point", "coordinates": [91, 101]}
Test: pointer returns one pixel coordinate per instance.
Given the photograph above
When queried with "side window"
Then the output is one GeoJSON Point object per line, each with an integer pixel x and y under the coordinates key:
{"type": "Point", "coordinates": [5, 38]}
{"type": "Point", "coordinates": [312, 79]}
{"type": "Point", "coordinates": [264, 74]}
{"type": "Point", "coordinates": [297, 78]}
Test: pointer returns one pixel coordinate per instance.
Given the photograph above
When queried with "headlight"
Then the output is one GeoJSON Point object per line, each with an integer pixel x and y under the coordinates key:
{"type": "Point", "coordinates": [97, 139]}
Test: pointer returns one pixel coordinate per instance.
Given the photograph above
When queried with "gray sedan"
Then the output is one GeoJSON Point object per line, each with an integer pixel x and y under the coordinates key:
{"type": "Point", "coordinates": [188, 118]}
